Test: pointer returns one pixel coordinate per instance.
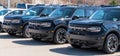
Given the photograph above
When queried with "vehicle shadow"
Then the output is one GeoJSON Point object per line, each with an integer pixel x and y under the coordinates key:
{"type": "Point", "coordinates": [6, 36]}
{"type": "Point", "coordinates": [78, 52]}
{"type": "Point", "coordinates": [32, 42]}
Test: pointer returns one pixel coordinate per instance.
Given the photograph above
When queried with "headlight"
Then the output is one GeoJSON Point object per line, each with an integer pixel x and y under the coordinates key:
{"type": "Point", "coordinates": [16, 21]}
{"type": "Point", "coordinates": [94, 29]}
{"type": "Point", "coordinates": [6, 20]}
{"type": "Point", "coordinates": [45, 24]}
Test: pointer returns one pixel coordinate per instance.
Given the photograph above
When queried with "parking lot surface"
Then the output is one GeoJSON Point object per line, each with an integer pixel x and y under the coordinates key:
{"type": "Point", "coordinates": [18, 46]}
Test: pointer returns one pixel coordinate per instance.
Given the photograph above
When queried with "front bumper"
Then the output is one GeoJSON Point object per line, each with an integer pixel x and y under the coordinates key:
{"type": "Point", "coordinates": [90, 40]}
{"type": "Point", "coordinates": [13, 28]}
{"type": "Point", "coordinates": [41, 33]}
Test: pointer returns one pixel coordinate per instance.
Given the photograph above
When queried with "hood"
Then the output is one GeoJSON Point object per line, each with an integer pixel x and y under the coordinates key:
{"type": "Point", "coordinates": [23, 17]}
{"type": "Point", "coordinates": [87, 22]}
{"type": "Point", "coordinates": [29, 17]}
{"type": "Point", "coordinates": [13, 16]}
{"type": "Point", "coordinates": [44, 18]}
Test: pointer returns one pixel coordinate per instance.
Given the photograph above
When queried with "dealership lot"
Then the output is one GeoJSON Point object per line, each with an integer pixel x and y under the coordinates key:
{"type": "Point", "coordinates": [17, 46]}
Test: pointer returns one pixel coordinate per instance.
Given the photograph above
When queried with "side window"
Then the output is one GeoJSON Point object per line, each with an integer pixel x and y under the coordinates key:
{"type": "Point", "coordinates": [113, 15]}
{"type": "Point", "coordinates": [89, 12]}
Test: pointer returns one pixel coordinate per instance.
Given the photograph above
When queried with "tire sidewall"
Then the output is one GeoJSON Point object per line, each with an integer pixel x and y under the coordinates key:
{"type": "Point", "coordinates": [105, 44]}
{"type": "Point", "coordinates": [24, 29]}
{"type": "Point", "coordinates": [55, 36]}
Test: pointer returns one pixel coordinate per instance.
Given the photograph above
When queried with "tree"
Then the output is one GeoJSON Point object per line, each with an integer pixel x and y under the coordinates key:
{"type": "Point", "coordinates": [114, 2]}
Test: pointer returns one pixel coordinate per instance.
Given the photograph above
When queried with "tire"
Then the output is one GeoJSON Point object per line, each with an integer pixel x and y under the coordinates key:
{"type": "Point", "coordinates": [60, 36]}
{"type": "Point", "coordinates": [26, 34]}
{"type": "Point", "coordinates": [1, 29]}
{"type": "Point", "coordinates": [76, 46]}
{"type": "Point", "coordinates": [11, 33]}
{"type": "Point", "coordinates": [111, 44]}
{"type": "Point", "coordinates": [37, 39]}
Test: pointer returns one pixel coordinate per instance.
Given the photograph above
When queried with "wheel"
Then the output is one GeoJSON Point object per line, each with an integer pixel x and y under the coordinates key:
{"type": "Point", "coordinates": [11, 33]}
{"type": "Point", "coordinates": [76, 46]}
{"type": "Point", "coordinates": [25, 32]}
{"type": "Point", "coordinates": [60, 36]}
{"type": "Point", "coordinates": [111, 44]}
{"type": "Point", "coordinates": [37, 39]}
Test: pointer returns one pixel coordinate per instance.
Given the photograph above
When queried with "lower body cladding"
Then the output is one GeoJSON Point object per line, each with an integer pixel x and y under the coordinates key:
{"type": "Point", "coordinates": [41, 34]}
{"type": "Point", "coordinates": [12, 28]}
{"type": "Point", "coordinates": [1, 27]}
{"type": "Point", "coordinates": [87, 40]}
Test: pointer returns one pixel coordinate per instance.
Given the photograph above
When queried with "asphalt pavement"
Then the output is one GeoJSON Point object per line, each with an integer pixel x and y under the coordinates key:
{"type": "Point", "coordinates": [18, 46]}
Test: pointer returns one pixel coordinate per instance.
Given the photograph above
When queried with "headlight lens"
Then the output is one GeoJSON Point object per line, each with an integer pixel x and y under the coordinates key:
{"type": "Point", "coordinates": [45, 24]}
{"type": "Point", "coordinates": [16, 21]}
{"type": "Point", "coordinates": [6, 20]}
{"type": "Point", "coordinates": [12, 21]}
{"type": "Point", "coordinates": [94, 29]}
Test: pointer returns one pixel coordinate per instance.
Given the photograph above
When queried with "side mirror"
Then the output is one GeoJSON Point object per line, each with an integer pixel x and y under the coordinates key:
{"type": "Point", "coordinates": [75, 17]}
{"type": "Point", "coordinates": [115, 19]}
{"type": "Point", "coordinates": [66, 16]}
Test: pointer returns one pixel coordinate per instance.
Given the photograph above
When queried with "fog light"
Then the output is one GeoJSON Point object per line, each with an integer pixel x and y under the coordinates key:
{"type": "Point", "coordinates": [21, 26]}
{"type": "Point", "coordinates": [52, 31]}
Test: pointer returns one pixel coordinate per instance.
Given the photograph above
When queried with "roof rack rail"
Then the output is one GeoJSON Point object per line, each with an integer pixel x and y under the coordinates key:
{"type": "Point", "coordinates": [108, 5]}
{"type": "Point", "coordinates": [40, 5]}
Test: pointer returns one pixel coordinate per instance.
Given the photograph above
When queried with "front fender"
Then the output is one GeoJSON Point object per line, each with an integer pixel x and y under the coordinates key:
{"type": "Point", "coordinates": [113, 30]}
{"type": "Point", "coordinates": [60, 26]}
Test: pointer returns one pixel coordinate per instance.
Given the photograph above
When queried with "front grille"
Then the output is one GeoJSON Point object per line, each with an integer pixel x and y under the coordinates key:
{"type": "Point", "coordinates": [78, 27]}
{"type": "Point", "coordinates": [33, 25]}
{"type": "Point", "coordinates": [8, 21]}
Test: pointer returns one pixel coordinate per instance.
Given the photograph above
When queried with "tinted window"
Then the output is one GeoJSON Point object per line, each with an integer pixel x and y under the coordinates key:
{"type": "Point", "coordinates": [98, 15]}
{"type": "Point", "coordinates": [63, 12]}
{"type": "Point", "coordinates": [80, 13]}
{"type": "Point", "coordinates": [113, 15]}
{"type": "Point", "coordinates": [29, 6]}
{"type": "Point", "coordinates": [3, 12]}
{"type": "Point", "coordinates": [35, 11]}
{"type": "Point", "coordinates": [108, 14]}
{"type": "Point", "coordinates": [21, 6]}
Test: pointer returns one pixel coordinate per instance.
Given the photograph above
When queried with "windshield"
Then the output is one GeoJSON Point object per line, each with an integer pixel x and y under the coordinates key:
{"type": "Point", "coordinates": [79, 13]}
{"type": "Point", "coordinates": [47, 11]}
{"type": "Point", "coordinates": [63, 12]}
{"type": "Point", "coordinates": [106, 15]}
{"type": "Point", "coordinates": [35, 11]}
{"type": "Point", "coordinates": [98, 15]}
{"type": "Point", "coordinates": [3, 12]}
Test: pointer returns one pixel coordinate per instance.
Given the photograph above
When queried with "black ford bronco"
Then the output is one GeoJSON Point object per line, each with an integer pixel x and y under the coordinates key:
{"type": "Point", "coordinates": [54, 26]}
{"type": "Point", "coordinates": [101, 30]}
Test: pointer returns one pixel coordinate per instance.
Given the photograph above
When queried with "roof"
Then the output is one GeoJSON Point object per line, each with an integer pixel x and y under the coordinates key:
{"type": "Point", "coordinates": [15, 9]}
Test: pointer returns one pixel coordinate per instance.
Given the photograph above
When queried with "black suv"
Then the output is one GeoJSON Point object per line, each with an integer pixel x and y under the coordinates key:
{"type": "Point", "coordinates": [101, 30]}
{"type": "Point", "coordinates": [55, 26]}
{"type": "Point", "coordinates": [17, 24]}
